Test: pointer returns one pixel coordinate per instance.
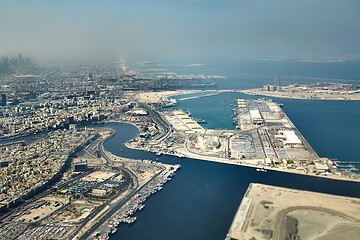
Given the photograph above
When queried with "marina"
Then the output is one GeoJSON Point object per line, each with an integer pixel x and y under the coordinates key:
{"type": "Point", "coordinates": [192, 193]}
{"type": "Point", "coordinates": [180, 120]}
{"type": "Point", "coordinates": [125, 214]}
{"type": "Point", "coordinates": [264, 137]}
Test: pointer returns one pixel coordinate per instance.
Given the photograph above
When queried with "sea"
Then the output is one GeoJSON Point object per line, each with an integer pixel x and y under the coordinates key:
{"type": "Point", "coordinates": [203, 197]}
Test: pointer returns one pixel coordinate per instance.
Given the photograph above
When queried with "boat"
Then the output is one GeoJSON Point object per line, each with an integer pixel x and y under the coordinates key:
{"type": "Point", "coordinates": [141, 207]}
{"type": "Point", "coordinates": [114, 230]}
{"type": "Point", "coordinates": [281, 104]}
{"type": "Point", "coordinates": [173, 100]}
{"type": "Point", "coordinates": [130, 220]}
{"type": "Point", "coordinates": [261, 170]}
{"type": "Point", "coordinates": [105, 236]}
{"type": "Point", "coordinates": [199, 120]}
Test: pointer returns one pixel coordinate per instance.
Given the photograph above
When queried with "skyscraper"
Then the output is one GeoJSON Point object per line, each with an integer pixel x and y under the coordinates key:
{"type": "Point", "coordinates": [20, 59]}
{"type": "Point", "coordinates": [3, 99]}
{"type": "Point", "coordinates": [32, 95]}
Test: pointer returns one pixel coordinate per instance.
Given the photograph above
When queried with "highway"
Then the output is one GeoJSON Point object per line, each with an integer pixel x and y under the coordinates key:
{"type": "Point", "coordinates": [113, 208]}
{"type": "Point", "coordinates": [157, 118]}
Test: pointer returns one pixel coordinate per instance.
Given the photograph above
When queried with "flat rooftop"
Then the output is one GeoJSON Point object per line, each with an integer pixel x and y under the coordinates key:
{"type": "Point", "coordinates": [98, 176]}
{"type": "Point", "coordinates": [182, 121]}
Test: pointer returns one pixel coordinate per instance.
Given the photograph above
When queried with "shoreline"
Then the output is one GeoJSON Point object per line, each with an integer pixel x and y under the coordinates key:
{"type": "Point", "coordinates": [210, 93]}
{"type": "Point", "coordinates": [154, 97]}
{"type": "Point", "coordinates": [194, 156]}
{"type": "Point", "coordinates": [288, 95]}
{"type": "Point", "coordinates": [224, 161]}
{"type": "Point", "coordinates": [248, 220]}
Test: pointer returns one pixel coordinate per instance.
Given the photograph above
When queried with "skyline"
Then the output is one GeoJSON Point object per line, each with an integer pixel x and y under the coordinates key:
{"type": "Point", "coordinates": [189, 31]}
{"type": "Point", "coordinates": [241, 116]}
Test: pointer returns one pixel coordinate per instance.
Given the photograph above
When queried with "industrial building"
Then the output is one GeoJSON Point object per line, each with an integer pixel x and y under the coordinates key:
{"type": "Point", "coordinates": [289, 138]}
{"type": "Point", "coordinates": [256, 117]}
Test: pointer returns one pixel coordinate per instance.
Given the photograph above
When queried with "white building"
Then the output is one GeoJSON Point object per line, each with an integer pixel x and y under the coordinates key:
{"type": "Point", "coordinates": [256, 117]}
{"type": "Point", "coordinates": [289, 138]}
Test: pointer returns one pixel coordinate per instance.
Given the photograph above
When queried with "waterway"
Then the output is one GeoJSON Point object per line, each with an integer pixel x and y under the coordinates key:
{"type": "Point", "coordinates": [201, 200]}
{"type": "Point", "coordinates": [331, 127]}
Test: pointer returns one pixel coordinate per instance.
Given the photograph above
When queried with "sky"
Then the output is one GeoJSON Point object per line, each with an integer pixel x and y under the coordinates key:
{"type": "Point", "coordinates": [178, 30]}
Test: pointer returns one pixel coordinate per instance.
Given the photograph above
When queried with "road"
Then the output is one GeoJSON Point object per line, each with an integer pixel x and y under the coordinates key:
{"type": "Point", "coordinates": [280, 224]}
{"type": "Point", "coordinates": [114, 207]}
{"type": "Point", "coordinates": [157, 118]}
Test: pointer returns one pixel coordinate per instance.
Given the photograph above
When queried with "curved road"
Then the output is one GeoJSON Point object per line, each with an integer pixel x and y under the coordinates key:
{"type": "Point", "coordinates": [280, 229]}
{"type": "Point", "coordinates": [158, 119]}
{"type": "Point", "coordinates": [114, 207]}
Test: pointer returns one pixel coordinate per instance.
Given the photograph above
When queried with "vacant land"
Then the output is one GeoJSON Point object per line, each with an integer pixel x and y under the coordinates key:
{"type": "Point", "coordinates": [269, 212]}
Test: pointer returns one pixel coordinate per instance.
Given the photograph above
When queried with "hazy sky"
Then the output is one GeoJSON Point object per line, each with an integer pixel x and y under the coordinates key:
{"type": "Point", "coordinates": [184, 30]}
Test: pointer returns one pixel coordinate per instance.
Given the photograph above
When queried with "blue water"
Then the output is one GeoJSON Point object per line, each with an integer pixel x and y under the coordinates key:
{"type": "Point", "coordinates": [331, 127]}
{"type": "Point", "coordinates": [216, 109]}
{"type": "Point", "coordinates": [201, 200]}
{"type": "Point", "coordinates": [242, 74]}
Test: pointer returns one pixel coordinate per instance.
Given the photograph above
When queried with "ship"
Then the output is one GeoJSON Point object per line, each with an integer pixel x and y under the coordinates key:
{"type": "Point", "coordinates": [261, 170]}
{"type": "Point", "coordinates": [173, 100]}
{"type": "Point", "coordinates": [199, 120]}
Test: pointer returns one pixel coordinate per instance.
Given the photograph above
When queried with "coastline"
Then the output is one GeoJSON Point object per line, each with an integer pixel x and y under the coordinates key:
{"type": "Point", "coordinates": [301, 96]}
{"type": "Point", "coordinates": [248, 220]}
{"type": "Point", "coordinates": [184, 153]}
{"type": "Point", "coordinates": [155, 97]}
{"type": "Point", "coordinates": [225, 161]}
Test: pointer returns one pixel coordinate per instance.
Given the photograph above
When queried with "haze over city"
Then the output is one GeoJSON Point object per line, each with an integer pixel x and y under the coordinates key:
{"type": "Point", "coordinates": [179, 119]}
{"type": "Point", "coordinates": [184, 30]}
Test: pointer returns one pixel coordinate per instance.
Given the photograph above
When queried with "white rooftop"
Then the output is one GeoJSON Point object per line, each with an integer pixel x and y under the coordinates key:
{"type": "Point", "coordinates": [291, 137]}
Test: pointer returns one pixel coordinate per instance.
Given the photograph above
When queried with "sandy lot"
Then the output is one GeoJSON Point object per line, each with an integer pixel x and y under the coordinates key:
{"type": "Point", "coordinates": [304, 95]}
{"type": "Point", "coordinates": [98, 176]}
{"type": "Point", "coordinates": [269, 212]}
{"type": "Point", "coordinates": [155, 97]}
{"type": "Point", "coordinates": [43, 208]}
{"type": "Point", "coordinates": [76, 212]}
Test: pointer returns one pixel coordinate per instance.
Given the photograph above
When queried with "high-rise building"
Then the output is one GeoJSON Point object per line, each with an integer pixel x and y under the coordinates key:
{"type": "Point", "coordinates": [3, 99]}
{"type": "Point", "coordinates": [20, 59]}
{"type": "Point", "coordinates": [32, 95]}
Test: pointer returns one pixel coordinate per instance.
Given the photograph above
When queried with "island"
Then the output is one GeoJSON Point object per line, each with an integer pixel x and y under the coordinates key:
{"type": "Point", "coordinates": [314, 91]}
